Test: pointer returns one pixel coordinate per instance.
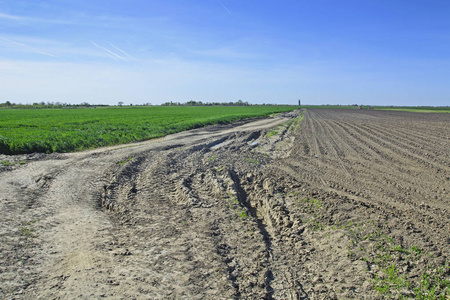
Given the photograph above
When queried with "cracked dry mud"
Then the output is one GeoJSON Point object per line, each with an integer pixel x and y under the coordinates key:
{"type": "Point", "coordinates": [312, 210]}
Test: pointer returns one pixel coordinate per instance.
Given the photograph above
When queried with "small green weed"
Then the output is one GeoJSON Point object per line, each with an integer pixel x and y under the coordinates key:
{"type": "Point", "coordinates": [251, 160]}
{"type": "Point", "coordinates": [315, 203]}
{"type": "Point", "coordinates": [416, 250]}
{"type": "Point", "coordinates": [7, 163]}
{"type": "Point", "coordinates": [243, 215]}
{"type": "Point", "coordinates": [234, 199]}
{"type": "Point", "coordinates": [318, 225]}
{"type": "Point", "coordinates": [400, 249]}
{"type": "Point", "coordinates": [125, 161]}
{"type": "Point", "coordinates": [271, 133]}
{"type": "Point", "coordinates": [26, 230]}
{"type": "Point", "coordinates": [296, 122]}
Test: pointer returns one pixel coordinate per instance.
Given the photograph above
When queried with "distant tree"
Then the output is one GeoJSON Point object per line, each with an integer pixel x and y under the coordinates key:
{"type": "Point", "coordinates": [120, 103]}
{"type": "Point", "coordinates": [7, 103]}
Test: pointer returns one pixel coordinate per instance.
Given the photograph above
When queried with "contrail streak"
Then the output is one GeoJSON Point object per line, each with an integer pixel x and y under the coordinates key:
{"type": "Point", "coordinates": [28, 47]}
{"type": "Point", "coordinates": [11, 17]}
{"type": "Point", "coordinates": [118, 49]}
{"type": "Point", "coordinates": [224, 6]}
{"type": "Point", "coordinates": [112, 54]}
{"type": "Point", "coordinates": [12, 42]}
{"type": "Point", "coordinates": [45, 53]}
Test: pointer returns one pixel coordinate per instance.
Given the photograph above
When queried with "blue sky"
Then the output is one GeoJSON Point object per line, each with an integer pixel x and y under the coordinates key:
{"type": "Point", "coordinates": [137, 51]}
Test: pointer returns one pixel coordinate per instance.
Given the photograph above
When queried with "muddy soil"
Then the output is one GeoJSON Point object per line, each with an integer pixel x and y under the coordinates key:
{"type": "Point", "coordinates": [344, 204]}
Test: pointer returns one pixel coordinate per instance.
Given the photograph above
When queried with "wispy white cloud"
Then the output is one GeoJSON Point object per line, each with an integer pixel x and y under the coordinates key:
{"type": "Point", "coordinates": [128, 55]}
{"type": "Point", "coordinates": [111, 54]}
{"type": "Point", "coordinates": [11, 17]}
{"type": "Point", "coordinates": [12, 42]}
{"type": "Point", "coordinates": [27, 47]}
{"type": "Point", "coordinates": [33, 19]}
{"type": "Point", "coordinates": [224, 6]}
{"type": "Point", "coordinates": [69, 51]}
{"type": "Point", "coordinates": [231, 52]}
{"type": "Point", "coordinates": [123, 56]}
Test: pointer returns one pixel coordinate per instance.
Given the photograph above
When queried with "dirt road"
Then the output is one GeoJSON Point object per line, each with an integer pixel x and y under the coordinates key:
{"type": "Point", "coordinates": [344, 204]}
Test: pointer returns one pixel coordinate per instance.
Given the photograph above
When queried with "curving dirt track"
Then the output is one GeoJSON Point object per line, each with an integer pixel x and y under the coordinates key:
{"type": "Point", "coordinates": [341, 205]}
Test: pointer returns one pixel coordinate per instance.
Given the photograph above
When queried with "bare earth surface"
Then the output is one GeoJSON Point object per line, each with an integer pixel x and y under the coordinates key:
{"type": "Point", "coordinates": [344, 204]}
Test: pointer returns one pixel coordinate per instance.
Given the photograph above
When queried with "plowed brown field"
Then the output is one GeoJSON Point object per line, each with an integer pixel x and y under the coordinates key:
{"type": "Point", "coordinates": [344, 204]}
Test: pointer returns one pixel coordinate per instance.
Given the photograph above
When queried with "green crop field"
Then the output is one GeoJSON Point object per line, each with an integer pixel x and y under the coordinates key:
{"type": "Point", "coordinates": [67, 130]}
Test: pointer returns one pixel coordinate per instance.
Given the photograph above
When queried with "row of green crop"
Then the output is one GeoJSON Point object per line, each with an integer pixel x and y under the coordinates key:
{"type": "Point", "coordinates": [60, 130]}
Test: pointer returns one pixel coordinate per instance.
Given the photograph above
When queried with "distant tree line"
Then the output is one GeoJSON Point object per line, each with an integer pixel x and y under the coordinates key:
{"type": "Point", "coordinates": [47, 104]}
{"type": "Point", "coordinates": [200, 103]}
